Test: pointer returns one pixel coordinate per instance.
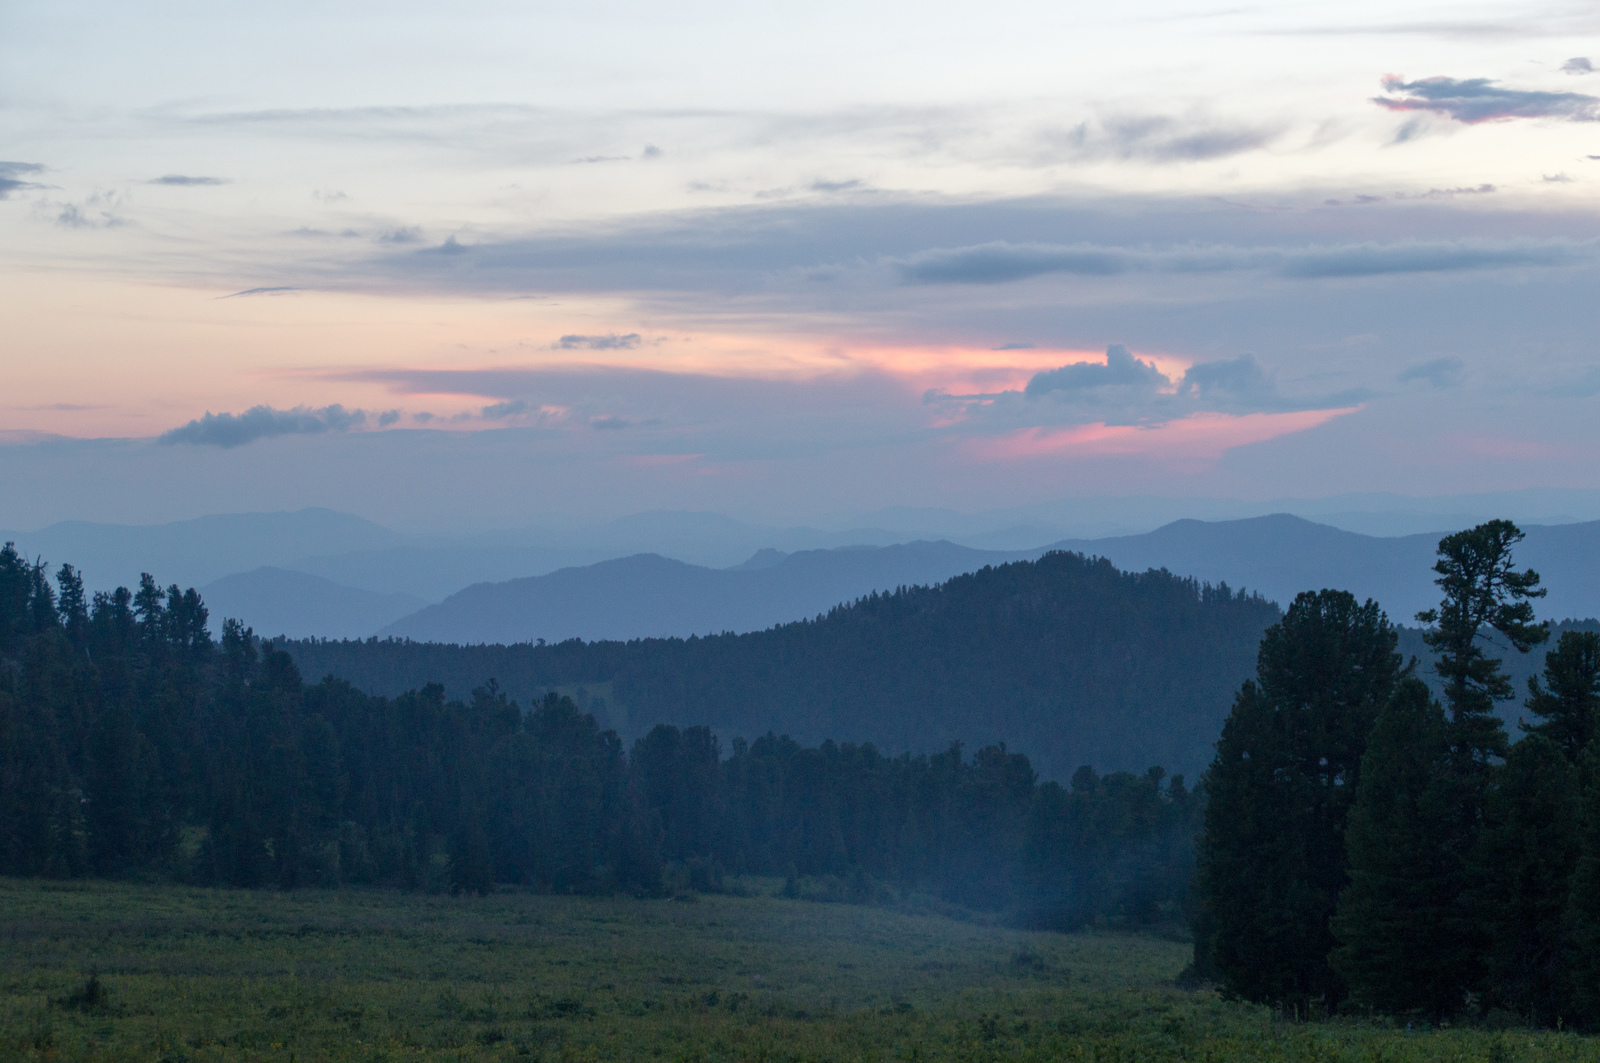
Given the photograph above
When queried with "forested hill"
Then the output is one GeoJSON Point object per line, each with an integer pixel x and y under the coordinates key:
{"type": "Point", "coordinates": [1066, 658]}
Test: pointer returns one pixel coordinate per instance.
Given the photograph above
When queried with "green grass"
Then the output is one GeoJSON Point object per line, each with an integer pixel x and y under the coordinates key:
{"type": "Point", "coordinates": [191, 974]}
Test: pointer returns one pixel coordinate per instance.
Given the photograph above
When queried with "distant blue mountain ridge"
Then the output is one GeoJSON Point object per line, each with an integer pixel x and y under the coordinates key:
{"type": "Point", "coordinates": [1275, 556]}
{"type": "Point", "coordinates": [327, 574]}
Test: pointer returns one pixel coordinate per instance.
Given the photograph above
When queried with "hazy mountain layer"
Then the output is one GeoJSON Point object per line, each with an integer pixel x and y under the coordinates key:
{"type": "Point", "coordinates": [276, 601]}
{"type": "Point", "coordinates": [649, 596]}
{"type": "Point", "coordinates": [1279, 556]}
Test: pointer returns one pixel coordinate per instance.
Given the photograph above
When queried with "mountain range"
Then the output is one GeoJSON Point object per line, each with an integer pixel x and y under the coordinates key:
{"type": "Point", "coordinates": [332, 575]}
{"type": "Point", "coordinates": [1276, 556]}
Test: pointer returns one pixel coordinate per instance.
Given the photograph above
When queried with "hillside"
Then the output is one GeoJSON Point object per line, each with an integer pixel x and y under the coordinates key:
{"type": "Point", "coordinates": [1065, 658]}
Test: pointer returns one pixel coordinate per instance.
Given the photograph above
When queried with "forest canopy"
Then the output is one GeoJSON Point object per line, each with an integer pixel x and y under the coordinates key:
{"type": "Point", "coordinates": [132, 745]}
{"type": "Point", "coordinates": [1065, 657]}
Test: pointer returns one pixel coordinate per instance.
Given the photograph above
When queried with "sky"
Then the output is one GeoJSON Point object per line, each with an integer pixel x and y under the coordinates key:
{"type": "Point", "coordinates": [481, 263]}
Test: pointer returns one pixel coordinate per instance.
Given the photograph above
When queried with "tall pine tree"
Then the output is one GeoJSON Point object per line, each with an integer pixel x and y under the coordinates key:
{"type": "Point", "coordinates": [1521, 870]}
{"type": "Point", "coordinates": [1583, 899]}
{"type": "Point", "coordinates": [1483, 592]}
{"type": "Point", "coordinates": [1569, 700]}
{"type": "Point", "coordinates": [1401, 943]}
{"type": "Point", "coordinates": [1272, 860]}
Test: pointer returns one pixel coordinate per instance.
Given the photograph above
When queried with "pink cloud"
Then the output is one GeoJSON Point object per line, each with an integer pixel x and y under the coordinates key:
{"type": "Point", "coordinates": [1202, 436]}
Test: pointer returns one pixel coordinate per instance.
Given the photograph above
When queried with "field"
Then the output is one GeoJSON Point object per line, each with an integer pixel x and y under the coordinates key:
{"type": "Point", "coordinates": [132, 972]}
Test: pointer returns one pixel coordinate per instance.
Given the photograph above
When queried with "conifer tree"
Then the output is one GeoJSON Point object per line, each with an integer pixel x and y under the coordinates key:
{"type": "Point", "coordinates": [1569, 702]}
{"type": "Point", "coordinates": [1522, 868]}
{"type": "Point", "coordinates": [1401, 943]}
{"type": "Point", "coordinates": [1272, 860]}
{"type": "Point", "coordinates": [1583, 899]}
{"type": "Point", "coordinates": [1482, 590]}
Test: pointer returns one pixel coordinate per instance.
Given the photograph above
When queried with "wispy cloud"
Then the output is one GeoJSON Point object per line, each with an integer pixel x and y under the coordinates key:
{"type": "Point", "coordinates": [279, 290]}
{"type": "Point", "coordinates": [11, 179]}
{"type": "Point", "coordinates": [1000, 262]}
{"type": "Point", "coordinates": [1474, 100]}
{"type": "Point", "coordinates": [229, 430]}
{"type": "Point", "coordinates": [1157, 138]}
{"type": "Point", "coordinates": [185, 180]}
{"type": "Point", "coordinates": [1440, 372]}
{"type": "Point", "coordinates": [609, 342]}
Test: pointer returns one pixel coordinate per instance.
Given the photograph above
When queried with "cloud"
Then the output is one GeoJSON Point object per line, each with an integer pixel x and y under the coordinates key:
{"type": "Point", "coordinates": [499, 411]}
{"type": "Point", "coordinates": [9, 179]}
{"type": "Point", "coordinates": [609, 423]}
{"type": "Point", "coordinates": [406, 234]}
{"type": "Point", "coordinates": [387, 418]}
{"type": "Point", "coordinates": [1127, 390]}
{"type": "Point", "coordinates": [1578, 65]}
{"type": "Point", "coordinates": [1157, 138]}
{"type": "Point", "coordinates": [96, 212]}
{"type": "Point", "coordinates": [262, 422]}
{"type": "Point", "coordinates": [1440, 372]}
{"type": "Point", "coordinates": [1371, 260]}
{"type": "Point", "coordinates": [1013, 347]}
{"type": "Point", "coordinates": [1120, 369]}
{"type": "Point", "coordinates": [280, 290]}
{"type": "Point", "coordinates": [1474, 100]}
{"type": "Point", "coordinates": [1000, 262]}
{"type": "Point", "coordinates": [1234, 380]}
{"type": "Point", "coordinates": [609, 342]}
{"type": "Point", "coordinates": [183, 179]}
{"type": "Point", "coordinates": [651, 152]}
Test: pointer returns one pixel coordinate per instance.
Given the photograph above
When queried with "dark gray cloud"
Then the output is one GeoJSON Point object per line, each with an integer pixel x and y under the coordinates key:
{"type": "Point", "coordinates": [185, 179]}
{"type": "Point", "coordinates": [1120, 370]}
{"type": "Point", "coordinates": [229, 430]}
{"type": "Point", "coordinates": [1473, 100]}
{"type": "Point", "coordinates": [10, 177]}
{"type": "Point", "coordinates": [387, 418]}
{"type": "Point", "coordinates": [1440, 372]}
{"type": "Point", "coordinates": [609, 342]}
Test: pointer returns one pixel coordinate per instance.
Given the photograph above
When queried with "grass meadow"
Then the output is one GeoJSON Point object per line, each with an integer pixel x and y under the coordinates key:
{"type": "Point", "coordinates": [98, 971]}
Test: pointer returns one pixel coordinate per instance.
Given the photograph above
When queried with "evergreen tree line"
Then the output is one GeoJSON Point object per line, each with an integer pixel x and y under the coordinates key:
{"type": "Point", "coordinates": [131, 744]}
{"type": "Point", "coordinates": [1366, 846]}
{"type": "Point", "coordinates": [1065, 657]}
